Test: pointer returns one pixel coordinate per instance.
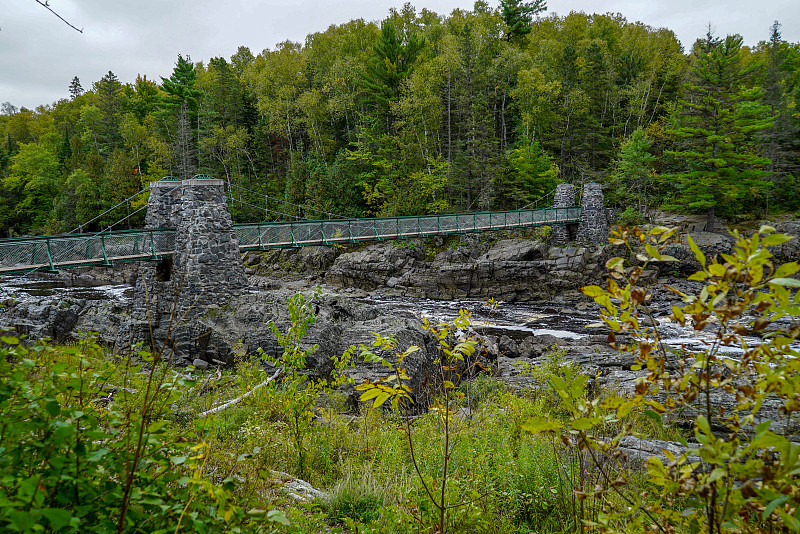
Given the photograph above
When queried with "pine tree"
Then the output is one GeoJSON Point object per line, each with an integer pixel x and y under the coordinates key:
{"type": "Point", "coordinates": [530, 175]}
{"type": "Point", "coordinates": [598, 141]}
{"type": "Point", "coordinates": [75, 88]}
{"type": "Point", "coordinates": [518, 16]}
{"type": "Point", "coordinates": [782, 139]}
{"type": "Point", "coordinates": [632, 170]}
{"type": "Point", "coordinates": [109, 102]}
{"type": "Point", "coordinates": [719, 114]}
{"type": "Point", "coordinates": [395, 56]}
{"type": "Point", "coordinates": [181, 104]}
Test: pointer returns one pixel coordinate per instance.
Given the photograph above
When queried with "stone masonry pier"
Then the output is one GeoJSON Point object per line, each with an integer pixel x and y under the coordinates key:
{"type": "Point", "coordinates": [172, 297]}
{"type": "Point", "coordinates": [593, 228]}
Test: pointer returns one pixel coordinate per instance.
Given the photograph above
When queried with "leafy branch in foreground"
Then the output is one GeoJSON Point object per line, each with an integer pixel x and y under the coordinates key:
{"type": "Point", "coordinates": [302, 392]}
{"type": "Point", "coordinates": [453, 361]}
{"type": "Point", "coordinates": [744, 475]}
{"type": "Point", "coordinates": [70, 425]}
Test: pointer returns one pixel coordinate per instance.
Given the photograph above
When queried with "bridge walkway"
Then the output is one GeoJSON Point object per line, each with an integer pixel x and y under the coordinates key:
{"type": "Point", "coordinates": [49, 253]}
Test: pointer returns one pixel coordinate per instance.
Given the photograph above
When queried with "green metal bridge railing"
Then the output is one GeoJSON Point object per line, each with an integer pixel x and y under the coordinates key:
{"type": "Point", "coordinates": [48, 253]}
{"type": "Point", "coordinates": [263, 236]}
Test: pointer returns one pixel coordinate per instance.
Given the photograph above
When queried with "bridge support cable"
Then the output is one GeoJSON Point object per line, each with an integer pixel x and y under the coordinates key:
{"type": "Point", "coordinates": [265, 209]}
{"type": "Point", "coordinates": [109, 210]}
{"type": "Point", "coordinates": [535, 203]}
{"type": "Point", "coordinates": [299, 206]}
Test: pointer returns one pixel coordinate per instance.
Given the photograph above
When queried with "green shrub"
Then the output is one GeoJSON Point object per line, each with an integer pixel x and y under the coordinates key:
{"type": "Point", "coordinates": [357, 496]}
{"type": "Point", "coordinates": [743, 476]}
{"type": "Point", "coordinates": [85, 447]}
{"type": "Point", "coordinates": [630, 217]}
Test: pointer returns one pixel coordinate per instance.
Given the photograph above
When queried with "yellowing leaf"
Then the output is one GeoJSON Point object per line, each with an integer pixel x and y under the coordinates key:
{"type": "Point", "coordinates": [697, 252]}
{"type": "Point", "coordinates": [655, 254]}
{"type": "Point", "coordinates": [775, 239]}
{"type": "Point", "coordinates": [699, 276]}
{"type": "Point", "coordinates": [369, 394]}
{"type": "Point", "coordinates": [538, 425]}
{"type": "Point", "coordinates": [658, 230]}
{"type": "Point", "coordinates": [592, 291]}
{"type": "Point", "coordinates": [717, 270]}
{"type": "Point", "coordinates": [678, 314]}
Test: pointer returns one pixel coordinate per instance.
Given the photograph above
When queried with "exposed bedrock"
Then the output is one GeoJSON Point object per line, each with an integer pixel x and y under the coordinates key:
{"type": "Point", "coordinates": [509, 270]}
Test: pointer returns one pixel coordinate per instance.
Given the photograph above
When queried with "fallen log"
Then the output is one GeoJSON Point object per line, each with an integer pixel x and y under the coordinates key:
{"type": "Point", "coordinates": [278, 374]}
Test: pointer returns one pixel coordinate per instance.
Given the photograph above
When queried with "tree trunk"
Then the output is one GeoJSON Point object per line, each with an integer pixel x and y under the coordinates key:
{"type": "Point", "coordinates": [711, 220]}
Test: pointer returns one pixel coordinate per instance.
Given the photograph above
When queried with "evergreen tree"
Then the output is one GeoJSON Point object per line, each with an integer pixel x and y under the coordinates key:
{"type": "Point", "coordinates": [782, 139]}
{"type": "Point", "coordinates": [718, 116]}
{"type": "Point", "coordinates": [530, 175]}
{"type": "Point", "coordinates": [181, 104]}
{"type": "Point", "coordinates": [109, 102]}
{"type": "Point", "coordinates": [75, 88]}
{"type": "Point", "coordinates": [631, 172]}
{"type": "Point", "coordinates": [180, 85]}
{"type": "Point", "coordinates": [598, 141]}
{"type": "Point", "coordinates": [395, 56]}
{"type": "Point", "coordinates": [518, 15]}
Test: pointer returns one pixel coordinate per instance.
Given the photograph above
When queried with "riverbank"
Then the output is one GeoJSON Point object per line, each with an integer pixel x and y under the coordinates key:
{"type": "Point", "coordinates": [549, 407]}
{"type": "Point", "coordinates": [523, 293]}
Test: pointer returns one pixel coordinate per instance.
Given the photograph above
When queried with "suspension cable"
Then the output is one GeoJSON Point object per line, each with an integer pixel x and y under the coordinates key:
{"type": "Point", "coordinates": [536, 202]}
{"type": "Point", "coordinates": [265, 209]}
{"type": "Point", "coordinates": [329, 214]}
{"type": "Point", "coordinates": [80, 227]}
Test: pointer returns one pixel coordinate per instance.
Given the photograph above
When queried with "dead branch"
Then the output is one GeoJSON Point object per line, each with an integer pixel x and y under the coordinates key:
{"type": "Point", "coordinates": [46, 5]}
{"type": "Point", "coordinates": [278, 374]}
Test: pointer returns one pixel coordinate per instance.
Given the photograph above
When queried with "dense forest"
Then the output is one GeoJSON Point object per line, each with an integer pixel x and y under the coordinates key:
{"type": "Point", "coordinates": [424, 113]}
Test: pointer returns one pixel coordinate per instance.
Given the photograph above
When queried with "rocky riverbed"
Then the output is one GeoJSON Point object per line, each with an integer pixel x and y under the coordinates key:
{"type": "Point", "coordinates": [523, 293]}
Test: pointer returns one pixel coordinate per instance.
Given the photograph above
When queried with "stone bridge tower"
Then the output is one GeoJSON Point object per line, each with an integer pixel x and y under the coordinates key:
{"type": "Point", "coordinates": [172, 297]}
{"type": "Point", "coordinates": [593, 228]}
{"type": "Point", "coordinates": [564, 198]}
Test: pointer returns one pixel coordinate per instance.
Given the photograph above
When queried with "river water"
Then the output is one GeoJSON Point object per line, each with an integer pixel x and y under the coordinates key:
{"type": "Point", "coordinates": [38, 285]}
{"type": "Point", "coordinates": [515, 320]}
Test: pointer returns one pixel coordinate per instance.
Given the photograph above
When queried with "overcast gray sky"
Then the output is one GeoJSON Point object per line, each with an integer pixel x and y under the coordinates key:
{"type": "Point", "coordinates": [39, 54]}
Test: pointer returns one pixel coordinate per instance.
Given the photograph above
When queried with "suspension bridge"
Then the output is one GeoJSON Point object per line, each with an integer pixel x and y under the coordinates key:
{"type": "Point", "coordinates": [158, 240]}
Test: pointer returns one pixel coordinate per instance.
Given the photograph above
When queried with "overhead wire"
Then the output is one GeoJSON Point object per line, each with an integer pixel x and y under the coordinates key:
{"type": "Point", "coordinates": [308, 208]}
{"type": "Point", "coordinates": [536, 202]}
{"type": "Point", "coordinates": [90, 221]}
{"type": "Point", "coordinates": [264, 209]}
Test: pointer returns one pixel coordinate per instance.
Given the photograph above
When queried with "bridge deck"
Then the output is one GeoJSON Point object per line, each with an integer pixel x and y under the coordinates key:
{"type": "Point", "coordinates": [61, 251]}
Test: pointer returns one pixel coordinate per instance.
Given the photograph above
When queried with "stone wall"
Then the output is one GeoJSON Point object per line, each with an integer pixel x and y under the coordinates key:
{"type": "Point", "coordinates": [593, 228]}
{"type": "Point", "coordinates": [162, 207]}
